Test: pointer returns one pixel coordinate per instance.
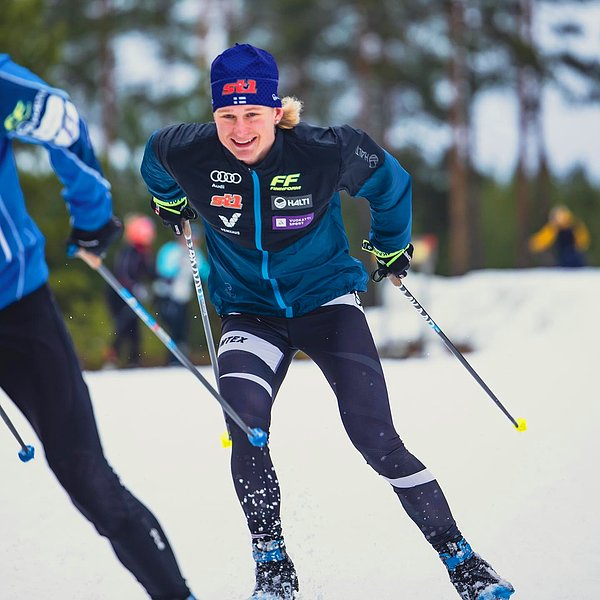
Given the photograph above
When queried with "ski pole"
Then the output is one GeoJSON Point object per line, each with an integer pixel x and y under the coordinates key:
{"type": "Point", "coordinates": [26, 452]}
{"type": "Point", "coordinates": [187, 234]}
{"type": "Point", "coordinates": [520, 424]}
{"type": "Point", "coordinates": [257, 436]}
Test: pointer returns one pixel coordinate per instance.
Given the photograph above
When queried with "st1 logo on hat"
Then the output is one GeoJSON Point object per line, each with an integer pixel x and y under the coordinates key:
{"type": "Point", "coordinates": [241, 86]}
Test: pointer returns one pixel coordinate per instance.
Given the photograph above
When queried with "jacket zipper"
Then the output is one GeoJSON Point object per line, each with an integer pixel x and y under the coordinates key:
{"type": "Point", "coordinates": [265, 254]}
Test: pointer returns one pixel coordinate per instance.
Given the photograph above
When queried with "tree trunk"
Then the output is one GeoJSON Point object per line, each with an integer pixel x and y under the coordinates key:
{"type": "Point", "coordinates": [527, 94]}
{"type": "Point", "coordinates": [459, 185]}
{"type": "Point", "coordinates": [108, 93]}
{"type": "Point", "coordinates": [213, 30]}
{"type": "Point", "coordinates": [543, 200]}
{"type": "Point", "coordinates": [360, 207]}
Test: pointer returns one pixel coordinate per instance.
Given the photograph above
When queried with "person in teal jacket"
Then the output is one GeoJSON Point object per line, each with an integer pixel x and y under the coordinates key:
{"type": "Point", "coordinates": [267, 188]}
{"type": "Point", "coordinates": [174, 288]}
{"type": "Point", "coordinates": [39, 369]}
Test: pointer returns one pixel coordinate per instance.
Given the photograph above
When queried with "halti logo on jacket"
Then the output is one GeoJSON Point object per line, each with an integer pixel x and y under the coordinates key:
{"type": "Point", "coordinates": [281, 183]}
{"type": "Point", "coordinates": [241, 86]}
{"type": "Point", "coordinates": [227, 201]}
{"type": "Point", "coordinates": [291, 202]}
{"type": "Point", "coordinates": [230, 222]}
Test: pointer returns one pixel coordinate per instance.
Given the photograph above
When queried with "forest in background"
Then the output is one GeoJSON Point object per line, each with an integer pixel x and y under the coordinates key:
{"type": "Point", "coordinates": [391, 67]}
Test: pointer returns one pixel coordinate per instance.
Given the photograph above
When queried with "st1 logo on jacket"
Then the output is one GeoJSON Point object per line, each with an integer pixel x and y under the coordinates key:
{"type": "Point", "coordinates": [233, 201]}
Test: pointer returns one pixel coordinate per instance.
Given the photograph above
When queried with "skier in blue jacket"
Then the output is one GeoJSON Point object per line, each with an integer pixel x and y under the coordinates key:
{"type": "Point", "coordinates": [39, 369]}
{"type": "Point", "coordinates": [267, 189]}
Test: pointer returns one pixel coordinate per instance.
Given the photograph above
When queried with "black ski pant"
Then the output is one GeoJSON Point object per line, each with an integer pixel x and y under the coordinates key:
{"type": "Point", "coordinates": [40, 372]}
{"type": "Point", "coordinates": [254, 355]}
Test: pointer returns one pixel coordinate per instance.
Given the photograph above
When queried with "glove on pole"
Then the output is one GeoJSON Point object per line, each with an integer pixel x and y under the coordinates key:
{"type": "Point", "coordinates": [395, 263]}
{"type": "Point", "coordinates": [95, 242]}
{"type": "Point", "coordinates": [257, 436]}
{"type": "Point", "coordinates": [173, 212]}
{"type": "Point", "coordinates": [520, 424]}
{"type": "Point", "coordinates": [26, 452]}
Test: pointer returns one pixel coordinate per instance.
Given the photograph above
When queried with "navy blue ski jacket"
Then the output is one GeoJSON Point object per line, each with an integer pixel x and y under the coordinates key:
{"type": "Point", "coordinates": [275, 237]}
{"type": "Point", "coordinates": [33, 112]}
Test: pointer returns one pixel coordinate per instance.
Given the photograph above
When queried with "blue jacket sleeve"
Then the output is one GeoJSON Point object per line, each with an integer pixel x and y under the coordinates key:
{"type": "Point", "coordinates": [33, 112]}
{"type": "Point", "coordinates": [158, 180]}
{"type": "Point", "coordinates": [368, 171]}
{"type": "Point", "coordinates": [389, 192]}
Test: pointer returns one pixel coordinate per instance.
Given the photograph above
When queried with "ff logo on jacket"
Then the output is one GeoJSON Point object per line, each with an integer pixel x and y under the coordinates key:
{"type": "Point", "coordinates": [282, 183]}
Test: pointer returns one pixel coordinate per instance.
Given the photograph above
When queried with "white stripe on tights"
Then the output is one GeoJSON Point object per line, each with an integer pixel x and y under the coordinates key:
{"type": "Point", "coordinates": [251, 377]}
{"type": "Point", "coordinates": [410, 481]}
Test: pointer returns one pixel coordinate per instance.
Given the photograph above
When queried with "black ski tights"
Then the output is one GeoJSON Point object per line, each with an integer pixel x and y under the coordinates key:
{"type": "Point", "coordinates": [254, 356]}
{"type": "Point", "coordinates": [40, 372]}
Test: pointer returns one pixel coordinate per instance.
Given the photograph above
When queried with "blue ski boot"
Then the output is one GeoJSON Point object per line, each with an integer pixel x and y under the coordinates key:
{"type": "Point", "coordinates": [276, 577]}
{"type": "Point", "coordinates": [473, 577]}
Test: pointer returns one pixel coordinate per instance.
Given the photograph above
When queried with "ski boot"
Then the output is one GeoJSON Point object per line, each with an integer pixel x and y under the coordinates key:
{"type": "Point", "coordinates": [276, 577]}
{"type": "Point", "coordinates": [473, 577]}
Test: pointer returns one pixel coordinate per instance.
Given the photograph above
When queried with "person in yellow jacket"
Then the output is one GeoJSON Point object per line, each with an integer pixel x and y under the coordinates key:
{"type": "Point", "coordinates": [567, 234]}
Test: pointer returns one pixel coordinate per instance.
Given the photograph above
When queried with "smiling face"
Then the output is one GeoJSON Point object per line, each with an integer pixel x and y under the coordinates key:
{"type": "Point", "coordinates": [248, 131]}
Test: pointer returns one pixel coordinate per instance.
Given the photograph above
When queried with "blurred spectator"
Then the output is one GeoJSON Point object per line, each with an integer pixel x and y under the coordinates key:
{"type": "Point", "coordinates": [425, 253]}
{"type": "Point", "coordinates": [174, 288]}
{"type": "Point", "coordinates": [134, 268]}
{"type": "Point", "coordinates": [567, 234]}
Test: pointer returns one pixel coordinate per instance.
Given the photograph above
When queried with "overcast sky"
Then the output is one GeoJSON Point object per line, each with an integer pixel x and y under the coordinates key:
{"type": "Point", "coordinates": [571, 133]}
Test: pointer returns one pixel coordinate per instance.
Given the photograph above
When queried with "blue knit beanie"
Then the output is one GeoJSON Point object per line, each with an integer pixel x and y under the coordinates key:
{"type": "Point", "coordinates": [244, 74]}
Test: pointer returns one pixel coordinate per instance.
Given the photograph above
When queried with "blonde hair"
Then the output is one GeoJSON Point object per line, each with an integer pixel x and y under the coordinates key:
{"type": "Point", "coordinates": [292, 107]}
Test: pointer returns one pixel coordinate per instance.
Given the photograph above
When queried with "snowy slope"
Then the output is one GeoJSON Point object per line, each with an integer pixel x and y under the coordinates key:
{"type": "Point", "coordinates": [526, 501]}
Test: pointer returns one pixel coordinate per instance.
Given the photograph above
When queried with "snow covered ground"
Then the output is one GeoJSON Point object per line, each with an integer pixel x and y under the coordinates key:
{"type": "Point", "coordinates": [527, 501]}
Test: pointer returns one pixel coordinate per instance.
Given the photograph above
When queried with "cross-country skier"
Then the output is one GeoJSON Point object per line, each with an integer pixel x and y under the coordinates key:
{"type": "Point", "coordinates": [39, 369]}
{"type": "Point", "coordinates": [267, 189]}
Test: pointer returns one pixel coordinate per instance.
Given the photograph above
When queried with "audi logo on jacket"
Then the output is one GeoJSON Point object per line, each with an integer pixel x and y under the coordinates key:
{"type": "Point", "coordinates": [274, 232]}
